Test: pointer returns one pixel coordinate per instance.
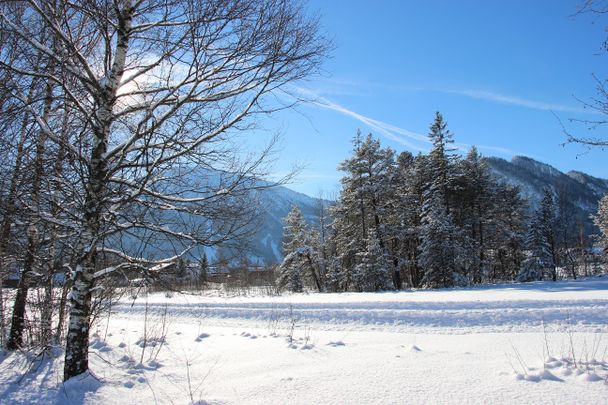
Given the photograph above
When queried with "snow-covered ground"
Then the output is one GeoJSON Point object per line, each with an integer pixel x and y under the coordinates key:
{"type": "Point", "coordinates": [532, 343]}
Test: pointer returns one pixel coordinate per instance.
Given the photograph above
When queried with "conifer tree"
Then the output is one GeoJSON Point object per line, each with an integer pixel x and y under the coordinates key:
{"type": "Point", "coordinates": [441, 253]}
{"type": "Point", "coordinates": [541, 242]}
{"type": "Point", "coordinates": [403, 222]}
{"type": "Point", "coordinates": [372, 273]}
{"type": "Point", "coordinates": [294, 231]}
{"type": "Point", "coordinates": [474, 201]}
{"type": "Point", "coordinates": [203, 269]}
{"type": "Point", "coordinates": [299, 255]}
{"type": "Point", "coordinates": [507, 236]}
{"type": "Point", "coordinates": [441, 250]}
{"type": "Point", "coordinates": [601, 221]}
{"type": "Point", "coordinates": [363, 206]}
{"type": "Point", "coordinates": [440, 161]}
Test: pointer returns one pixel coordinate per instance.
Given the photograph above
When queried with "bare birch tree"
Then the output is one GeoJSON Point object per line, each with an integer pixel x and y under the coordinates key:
{"type": "Point", "coordinates": [156, 89]}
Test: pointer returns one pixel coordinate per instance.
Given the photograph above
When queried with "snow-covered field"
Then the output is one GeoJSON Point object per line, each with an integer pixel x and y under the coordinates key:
{"type": "Point", "coordinates": [533, 343]}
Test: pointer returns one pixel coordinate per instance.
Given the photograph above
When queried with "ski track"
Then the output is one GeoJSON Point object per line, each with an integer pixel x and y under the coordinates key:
{"type": "Point", "coordinates": [441, 317]}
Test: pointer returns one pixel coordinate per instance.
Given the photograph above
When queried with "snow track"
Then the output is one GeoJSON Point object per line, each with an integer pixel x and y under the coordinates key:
{"type": "Point", "coordinates": [461, 346]}
{"type": "Point", "coordinates": [467, 310]}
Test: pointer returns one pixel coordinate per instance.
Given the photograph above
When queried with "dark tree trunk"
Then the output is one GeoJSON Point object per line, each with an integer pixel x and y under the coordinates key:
{"type": "Point", "coordinates": [396, 274]}
{"type": "Point", "coordinates": [67, 285]}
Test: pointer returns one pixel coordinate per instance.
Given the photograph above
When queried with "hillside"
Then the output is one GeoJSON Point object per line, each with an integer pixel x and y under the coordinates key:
{"type": "Point", "coordinates": [577, 193]}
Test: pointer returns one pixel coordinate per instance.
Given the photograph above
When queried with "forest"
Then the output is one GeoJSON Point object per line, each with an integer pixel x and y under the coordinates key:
{"type": "Point", "coordinates": [434, 220]}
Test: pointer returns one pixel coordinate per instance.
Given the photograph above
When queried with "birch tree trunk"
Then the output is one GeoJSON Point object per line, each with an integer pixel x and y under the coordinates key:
{"type": "Point", "coordinates": [77, 347]}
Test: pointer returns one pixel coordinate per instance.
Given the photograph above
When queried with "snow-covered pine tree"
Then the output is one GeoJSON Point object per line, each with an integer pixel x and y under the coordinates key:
{"type": "Point", "coordinates": [441, 254]}
{"type": "Point", "coordinates": [298, 265]}
{"type": "Point", "coordinates": [441, 250]}
{"type": "Point", "coordinates": [440, 164]}
{"type": "Point", "coordinates": [294, 238]}
{"type": "Point", "coordinates": [363, 204]}
{"type": "Point", "coordinates": [372, 273]}
{"type": "Point", "coordinates": [294, 231]}
{"type": "Point", "coordinates": [508, 232]}
{"type": "Point", "coordinates": [347, 239]}
{"type": "Point", "coordinates": [541, 242]}
{"type": "Point", "coordinates": [403, 219]}
{"type": "Point", "coordinates": [472, 205]}
{"type": "Point", "coordinates": [601, 221]}
{"type": "Point", "coordinates": [290, 274]}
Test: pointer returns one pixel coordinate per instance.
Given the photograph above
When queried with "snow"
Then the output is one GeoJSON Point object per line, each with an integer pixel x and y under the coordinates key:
{"type": "Point", "coordinates": [522, 343]}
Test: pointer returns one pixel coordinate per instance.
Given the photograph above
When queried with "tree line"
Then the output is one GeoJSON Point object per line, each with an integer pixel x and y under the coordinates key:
{"type": "Point", "coordinates": [427, 221]}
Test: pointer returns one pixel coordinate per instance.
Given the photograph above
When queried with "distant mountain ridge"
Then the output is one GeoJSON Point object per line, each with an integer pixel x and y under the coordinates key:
{"type": "Point", "coordinates": [577, 193]}
{"type": "Point", "coordinates": [276, 202]}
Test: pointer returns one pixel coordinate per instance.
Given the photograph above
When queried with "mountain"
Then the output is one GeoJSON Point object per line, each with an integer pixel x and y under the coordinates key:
{"type": "Point", "coordinates": [276, 203]}
{"type": "Point", "coordinates": [577, 194]}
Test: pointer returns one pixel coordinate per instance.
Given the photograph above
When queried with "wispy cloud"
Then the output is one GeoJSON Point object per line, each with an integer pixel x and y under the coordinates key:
{"type": "Point", "coordinates": [518, 101]}
{"type": "Point", "coordinates": [494, 149]}
{"type": "Point", "coordinates": [391, 132]}
{"type": "Point", "coordinates": [351, 87]}
{"type": "Point", "coordinates": [397, 134]}
{"type": "Point", "coordinates": [409, 139]}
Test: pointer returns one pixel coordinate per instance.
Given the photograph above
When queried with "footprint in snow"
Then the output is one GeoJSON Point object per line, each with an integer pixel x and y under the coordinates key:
{"type": "Point", "coordinates": [336, 343]}
{"type": "Point", "coordinates": [201, 337]}
{"type": "Point", "coordinates": [415, 348]}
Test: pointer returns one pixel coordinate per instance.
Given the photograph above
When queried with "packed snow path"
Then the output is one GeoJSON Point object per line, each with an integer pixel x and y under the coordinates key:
{"type": "Point", "coordinates": [582, 305]}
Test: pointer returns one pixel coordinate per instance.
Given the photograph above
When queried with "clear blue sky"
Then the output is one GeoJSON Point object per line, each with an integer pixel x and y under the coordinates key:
{"type": "Point", "coordinates": [501, 72]}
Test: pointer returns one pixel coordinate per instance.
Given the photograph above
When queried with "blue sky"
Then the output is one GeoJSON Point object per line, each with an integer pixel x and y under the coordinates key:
{"type": "Point", "coordinates": [503, 74]}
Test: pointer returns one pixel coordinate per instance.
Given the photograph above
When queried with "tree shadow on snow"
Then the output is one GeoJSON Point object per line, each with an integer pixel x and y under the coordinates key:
{"type": "Point", "coordinates": [40, 382]}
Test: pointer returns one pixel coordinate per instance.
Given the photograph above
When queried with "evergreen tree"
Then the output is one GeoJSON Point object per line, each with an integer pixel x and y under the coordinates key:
{"type": "Point", "coordinates": [472, 209]}
{"type": "Point", "coordinates": [541, 242]}
{"type": "Point", "coordinates": [290, 275]}
{"type": "Point", "coordinates": [203, 269]}
{"type": "Point", "coordinates": [299, 256]}
{"type": "Point", "coordinates": [507, 236]}
{"type": "Point", "coordinates": [372, 273]}
{"type": "Point", "coordinates": [433, 220]}
{"type": "Point", "coordinates": [440, 162]}
{"type": "Point", "coordinates": [601, 221]}
{"type": "Point", "coordinates": [441, 251]}
{"type": "Point", "coordinates": [295, 231]}
{"type": "Point", "coordinates": [403, 222]}
{"type": "Point", "coordinates": [363, 206]}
